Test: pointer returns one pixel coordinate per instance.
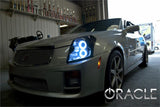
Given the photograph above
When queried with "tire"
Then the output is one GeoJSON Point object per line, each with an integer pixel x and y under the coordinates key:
{"type": "Point", "coordinates": [157, 48]}
{"type": "Point", "coordinates": [145, 59]}
{"type": "Point", "coordinates": [114, 76]}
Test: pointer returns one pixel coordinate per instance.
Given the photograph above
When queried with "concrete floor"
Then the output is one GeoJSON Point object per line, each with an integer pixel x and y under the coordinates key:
{"type": "Point", "coordinates": [138, 78]}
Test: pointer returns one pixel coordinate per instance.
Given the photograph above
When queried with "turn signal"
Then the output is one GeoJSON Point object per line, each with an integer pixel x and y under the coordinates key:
{"type": "Point", "coordinates": [99, 62]}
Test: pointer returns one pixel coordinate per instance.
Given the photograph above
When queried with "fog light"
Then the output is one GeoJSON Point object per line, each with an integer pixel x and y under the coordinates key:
{"type": "Point", "coordinates": [72, 79]}
{"type": "Point", "coordinates": [72, 82]}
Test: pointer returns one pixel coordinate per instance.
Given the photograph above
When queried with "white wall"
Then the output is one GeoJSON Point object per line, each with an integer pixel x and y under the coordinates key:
{"type": "Point", "coordinates": [24, 25]}
{"type": "Point", "coordinates": [21, 25]}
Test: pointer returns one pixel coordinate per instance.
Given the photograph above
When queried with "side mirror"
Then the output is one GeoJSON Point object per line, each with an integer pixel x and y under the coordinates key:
{"type": "Point", "coordinates": [132, 29]}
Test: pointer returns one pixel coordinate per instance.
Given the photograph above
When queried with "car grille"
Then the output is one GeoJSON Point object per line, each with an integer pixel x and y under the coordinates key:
{"type": "Point", "coordinates": [33, 57]}
{"type": "Point", "coordinates": [31, 83]}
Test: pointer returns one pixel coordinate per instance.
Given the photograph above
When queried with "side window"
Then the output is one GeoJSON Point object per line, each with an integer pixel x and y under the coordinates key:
{"type": "Point", "coordinates": [129, 23]}
{"type": "Point", "coordinates": [121, 24]}
{"type": "Point", "coordinates": [125, 24]}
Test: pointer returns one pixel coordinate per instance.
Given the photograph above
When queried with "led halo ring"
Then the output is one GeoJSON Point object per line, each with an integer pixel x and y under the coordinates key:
{"type": "Point", "coordinates": [83, 53]}
{"type": "Point", "coordinates": [81, 43]}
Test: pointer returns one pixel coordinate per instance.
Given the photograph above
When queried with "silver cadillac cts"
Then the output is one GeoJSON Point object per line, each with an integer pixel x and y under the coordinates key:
{"type": "Point", "coordinates": [89, 59]}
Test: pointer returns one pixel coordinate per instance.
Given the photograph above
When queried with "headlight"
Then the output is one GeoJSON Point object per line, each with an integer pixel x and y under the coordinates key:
{"type": "Point", "coordinates": [81, 48]}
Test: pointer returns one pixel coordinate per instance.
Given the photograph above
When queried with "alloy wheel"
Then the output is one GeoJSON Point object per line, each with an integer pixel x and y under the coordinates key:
{"type": "Point", "coordinates": [116, 72]}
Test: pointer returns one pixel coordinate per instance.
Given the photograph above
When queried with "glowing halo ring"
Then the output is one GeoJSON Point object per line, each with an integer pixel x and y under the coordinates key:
{"type": "Point", "coordinates": [81, 53]}
{"type": "Point", "coordinates": [82, 42]}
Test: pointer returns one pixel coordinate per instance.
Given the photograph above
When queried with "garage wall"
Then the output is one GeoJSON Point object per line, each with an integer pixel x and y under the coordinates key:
{"type": "Point", "coordinates": [21, 25]}
{"type": "Point", "coordinates": [71, 6]}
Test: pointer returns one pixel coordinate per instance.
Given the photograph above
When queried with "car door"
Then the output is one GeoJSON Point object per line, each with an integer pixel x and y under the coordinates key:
{"type": "Point", "coordinates": [140, 46]}
{"type": "Point", "coordinates": [131, 45]}
{"type": "Point", "coordinates": [132, 49]}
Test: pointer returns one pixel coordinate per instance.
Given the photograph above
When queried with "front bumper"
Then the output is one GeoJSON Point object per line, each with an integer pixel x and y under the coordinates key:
{"type": "Point", "coordinates": [92, 78]}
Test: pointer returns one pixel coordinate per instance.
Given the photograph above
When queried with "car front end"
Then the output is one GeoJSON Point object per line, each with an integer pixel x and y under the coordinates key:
{"type": "Point", "coordinates": [72, 70]}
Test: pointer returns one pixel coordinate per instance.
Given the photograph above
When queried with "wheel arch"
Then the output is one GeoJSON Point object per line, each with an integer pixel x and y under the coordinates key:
{"type": "Point", "coordinates": [117, 48]}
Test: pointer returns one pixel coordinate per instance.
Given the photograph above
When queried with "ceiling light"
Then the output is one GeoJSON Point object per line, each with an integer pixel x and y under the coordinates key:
{"type": "Point", "coordinates": [61, 26]}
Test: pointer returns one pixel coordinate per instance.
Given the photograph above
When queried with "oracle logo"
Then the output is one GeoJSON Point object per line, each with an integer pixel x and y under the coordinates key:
{"type": "Point", "coordinates": [147, 94]}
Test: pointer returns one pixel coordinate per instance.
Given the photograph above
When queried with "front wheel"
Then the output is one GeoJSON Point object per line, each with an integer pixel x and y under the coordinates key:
{"type": "Point", "coordinates": [114, 73]}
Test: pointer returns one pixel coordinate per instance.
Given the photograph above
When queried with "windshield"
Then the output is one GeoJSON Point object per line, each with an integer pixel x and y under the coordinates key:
{"type": "Point", "coordinates": [102, 25]}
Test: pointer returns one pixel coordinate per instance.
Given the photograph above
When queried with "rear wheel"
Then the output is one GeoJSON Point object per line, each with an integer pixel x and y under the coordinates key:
{"type": "Point", "coordinates": [114, 73]}
{"type": "Point", "coordinates": [156, 48]}
{"type": "Point", "coordinates": [145, 59]}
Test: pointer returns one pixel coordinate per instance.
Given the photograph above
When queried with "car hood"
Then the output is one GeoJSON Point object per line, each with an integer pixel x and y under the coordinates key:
{"type": "Point", "coordinates": [56, 42]}
{"type": "Point", "coordinates": [59, 41]}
